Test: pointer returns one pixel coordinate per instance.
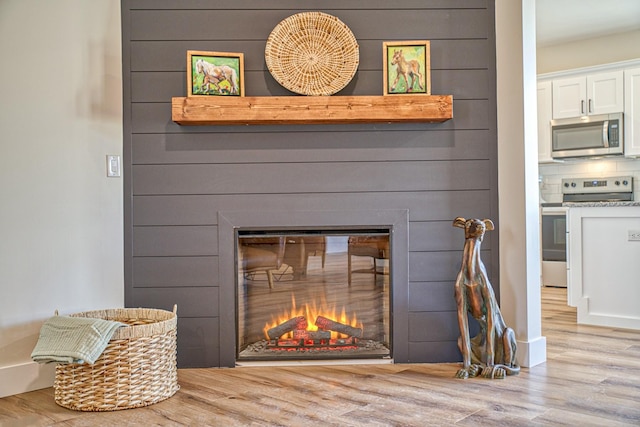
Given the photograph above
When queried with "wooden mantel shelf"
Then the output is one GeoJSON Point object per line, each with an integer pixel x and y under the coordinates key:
{"type": "Point", "coordinates": [279, 110]}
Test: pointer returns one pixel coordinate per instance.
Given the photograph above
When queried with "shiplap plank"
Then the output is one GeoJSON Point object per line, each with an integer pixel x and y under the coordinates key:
{"type": "Point", "coordinates": [440, 266]}
{"type": "Point", "coordinates": [191, 302]}
{"type": "Point", "coordinates": [462, 84]}
{"type": "Point", "coordinates": [433, 352]}
{"type": "Point", "coordinates": [175, 241]}
{"type": "Point", "coordinates": [309, 147]}
{"type": "Point", "coordinates": [210, 24]}
{"type": "Point", "coordinates": [440, 235]}
{"type": "Point", "coordinates": [433, 326]}
{"type": "Point", "coordinates": [278, 178]}
{"type": "Point", "coordinates": [171, 55]}
{"type": "Point", "coordinates": [295, 4]}
{"type": "Point", "coordinates": [198, 343]}
{"type": "Point", "coordinates": [202, 210]}
{"type": "Point", "coordinates": [175, 271]}
{"type": "Point", "coordinates": [431, 296]}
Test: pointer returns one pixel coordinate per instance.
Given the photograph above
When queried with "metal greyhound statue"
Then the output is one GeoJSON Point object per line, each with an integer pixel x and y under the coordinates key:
{"type": "Point", "coordinates": [491, 353]}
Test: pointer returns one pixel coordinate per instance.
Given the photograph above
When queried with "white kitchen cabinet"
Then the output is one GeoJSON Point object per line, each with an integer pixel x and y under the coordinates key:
{"type": "Point", "coordinates": [603, 265]}
{"type": "Point", "coordinates": [601, 93]}
{"type": "Point", "coordinates": [568, 97]}
{"type": "Point", "coordinates": [632, 112]}
{"type": "Point", "coordinates": [544, 122]}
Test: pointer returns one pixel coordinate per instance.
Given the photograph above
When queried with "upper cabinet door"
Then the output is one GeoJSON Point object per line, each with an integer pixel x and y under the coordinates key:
{"type": "Point", "coordinates": [569, 97]}
{"type": "Point", "coordinates": [601, 93]}
{"type": "Point", "coordinates": [544, 122]}
{"type": "Point", "coordinates": [632, 113]}
{"type": "Point", "coordinates": [605, 93]}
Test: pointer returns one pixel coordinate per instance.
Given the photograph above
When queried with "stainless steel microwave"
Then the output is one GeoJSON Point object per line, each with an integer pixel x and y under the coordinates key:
{"type": "Point", "coordinates": [588, 136]}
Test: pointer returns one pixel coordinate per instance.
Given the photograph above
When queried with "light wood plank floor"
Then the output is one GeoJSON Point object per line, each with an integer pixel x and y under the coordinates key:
{"type": "Point", "coordinates": [591, 378]}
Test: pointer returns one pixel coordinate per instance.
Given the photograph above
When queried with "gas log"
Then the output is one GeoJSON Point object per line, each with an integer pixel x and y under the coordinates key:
{"type": "Point", "coordinates": [292, 324]}
{"type": "Point", "coordinates": [330, 325]}
{"type": "Point", "coordinates": [303, 334]}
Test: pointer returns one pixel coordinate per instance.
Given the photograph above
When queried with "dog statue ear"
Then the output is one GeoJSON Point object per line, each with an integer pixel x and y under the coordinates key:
{"type": "Point", "coordinates": [488, 224]}
{"type": "Point", "coordinates": [459, 222]}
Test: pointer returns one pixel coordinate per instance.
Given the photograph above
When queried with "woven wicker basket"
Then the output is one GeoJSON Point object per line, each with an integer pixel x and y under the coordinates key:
{"type": "Point", "coordinates": [137, 368]}
{"type": "Point", "coordinates": [312, 53]}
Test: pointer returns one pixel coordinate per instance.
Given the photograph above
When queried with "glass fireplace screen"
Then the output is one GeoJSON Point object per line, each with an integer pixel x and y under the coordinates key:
{"type": "Point", "coordinates": [313, 294]}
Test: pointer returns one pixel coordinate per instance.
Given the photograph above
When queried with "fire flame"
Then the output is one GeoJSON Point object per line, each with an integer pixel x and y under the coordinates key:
{"type": "Point", "coordinates": [311, 311]}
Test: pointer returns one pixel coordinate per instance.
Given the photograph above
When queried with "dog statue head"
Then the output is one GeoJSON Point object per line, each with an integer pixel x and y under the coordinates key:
{"type": "Point", "coordinates": [473, 228]}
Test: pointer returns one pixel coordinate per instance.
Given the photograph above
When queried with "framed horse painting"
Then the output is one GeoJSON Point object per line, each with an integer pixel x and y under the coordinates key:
{"type": "Point", "coordinates": [215, 73]}
{"type": "Point", "coordinates": [407, 67]}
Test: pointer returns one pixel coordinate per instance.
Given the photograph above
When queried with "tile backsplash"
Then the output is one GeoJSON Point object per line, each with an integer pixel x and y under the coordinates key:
{"type": "Point", "coordinates": [551, 174]}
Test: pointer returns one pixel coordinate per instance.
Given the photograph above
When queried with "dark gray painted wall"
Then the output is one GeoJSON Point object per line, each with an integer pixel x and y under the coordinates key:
{"type": "Point", "coordinates": [177, 178]}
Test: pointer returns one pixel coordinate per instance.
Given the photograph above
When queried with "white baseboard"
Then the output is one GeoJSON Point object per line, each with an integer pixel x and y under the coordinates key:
{"type": "Point", "coordinates": [532, 353]}
{"type": "Point", "coordinates": [25, 377]}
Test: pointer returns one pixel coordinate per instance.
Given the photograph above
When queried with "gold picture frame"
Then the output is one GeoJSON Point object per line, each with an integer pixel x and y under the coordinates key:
{"type": "Point", "coordinates": [407, 67]}
{"type": "Point", "coordinates": [215, 73]}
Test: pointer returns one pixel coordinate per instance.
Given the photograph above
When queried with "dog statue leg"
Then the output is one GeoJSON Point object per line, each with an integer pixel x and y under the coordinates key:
{"type": "Point", "coordinates": [509, 366]}
{"type": "Point", "coordinates": [464, 341]}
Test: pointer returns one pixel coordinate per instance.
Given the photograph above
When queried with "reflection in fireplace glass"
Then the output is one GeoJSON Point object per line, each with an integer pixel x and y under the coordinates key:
{"type": "Point", "coordinates": [313, 294]}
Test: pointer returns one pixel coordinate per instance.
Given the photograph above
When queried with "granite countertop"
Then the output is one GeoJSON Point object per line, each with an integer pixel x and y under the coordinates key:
{"type": "Point", "coordinates": [598, 204]}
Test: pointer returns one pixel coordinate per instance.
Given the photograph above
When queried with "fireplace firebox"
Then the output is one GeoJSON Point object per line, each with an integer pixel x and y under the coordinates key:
{"type": "Point", "coordinates": [252, 293]}
{"type": "Point", "coordinates": [313, 294]}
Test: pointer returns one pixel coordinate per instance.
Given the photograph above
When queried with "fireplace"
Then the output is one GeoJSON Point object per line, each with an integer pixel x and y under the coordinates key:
{"type": "Point", "coordinates": [313, 294]}
{"type": "Point", "coordinates": [314, 285]}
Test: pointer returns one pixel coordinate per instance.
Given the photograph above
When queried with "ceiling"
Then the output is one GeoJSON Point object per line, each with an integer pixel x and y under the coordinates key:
{"type": "Point", "coordinates": [563, 21]}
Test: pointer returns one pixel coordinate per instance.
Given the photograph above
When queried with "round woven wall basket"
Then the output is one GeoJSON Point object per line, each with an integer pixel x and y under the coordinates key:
{"type": "Point", "coordinates": [137, 368]}
{"type": "Point", "coordinates": [312, 53]}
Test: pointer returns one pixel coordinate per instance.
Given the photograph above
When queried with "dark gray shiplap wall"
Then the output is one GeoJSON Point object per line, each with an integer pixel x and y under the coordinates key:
{"type": "Point", "coordinates": [178, 178]}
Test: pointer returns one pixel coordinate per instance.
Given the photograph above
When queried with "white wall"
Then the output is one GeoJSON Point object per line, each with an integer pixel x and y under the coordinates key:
{"type": "Point", "coordinates": [589, 52]}
{"type": "Point", "coordinates": [61, 220]}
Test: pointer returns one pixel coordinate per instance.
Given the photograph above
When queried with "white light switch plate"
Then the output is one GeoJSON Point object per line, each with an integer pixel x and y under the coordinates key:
{"type": "Point", "coordinates": [113, 165]}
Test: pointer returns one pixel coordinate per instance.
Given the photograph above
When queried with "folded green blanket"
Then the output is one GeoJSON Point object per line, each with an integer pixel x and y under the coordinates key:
{"type": "Point", "coordinates": [73, 339]}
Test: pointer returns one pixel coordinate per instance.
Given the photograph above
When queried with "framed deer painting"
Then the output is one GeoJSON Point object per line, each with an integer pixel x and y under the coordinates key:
{"type": "Point", "coordinates": [407, 67]}
{"type": "Point", "coordinates": [215, 73]}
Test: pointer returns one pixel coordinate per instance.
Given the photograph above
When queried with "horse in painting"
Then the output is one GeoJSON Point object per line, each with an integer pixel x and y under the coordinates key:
{"type": "Point", "coordinates": [406, 68]}
{"type": "Point", "coordinates": [215, 74]}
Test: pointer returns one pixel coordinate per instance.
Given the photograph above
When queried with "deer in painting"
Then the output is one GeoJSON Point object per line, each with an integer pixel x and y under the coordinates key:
{"type": "Point", "coordinates": [404, 69]}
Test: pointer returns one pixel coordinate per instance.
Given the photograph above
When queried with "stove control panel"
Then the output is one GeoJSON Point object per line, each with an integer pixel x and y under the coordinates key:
{"type": "Point", "coordinates": [616, 184]}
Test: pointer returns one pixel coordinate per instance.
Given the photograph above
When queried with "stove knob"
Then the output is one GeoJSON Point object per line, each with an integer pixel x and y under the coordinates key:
{"type": "Point", "coordinates": [573, 184]}
{"type": "Point", "coordinates": [566, 185]}
{"type": "Point", "coordinates": [625, 182]}
{"type": "Point", "coordinates": [617, 182]}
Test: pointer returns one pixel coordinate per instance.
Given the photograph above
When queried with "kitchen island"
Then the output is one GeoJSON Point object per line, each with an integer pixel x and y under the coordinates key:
{"type": "Point", "coordinates": [603, 273]}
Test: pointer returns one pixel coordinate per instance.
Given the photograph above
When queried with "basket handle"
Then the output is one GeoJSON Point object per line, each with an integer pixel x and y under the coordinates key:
{"type": "Point", "coordinates": [175, 309]}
